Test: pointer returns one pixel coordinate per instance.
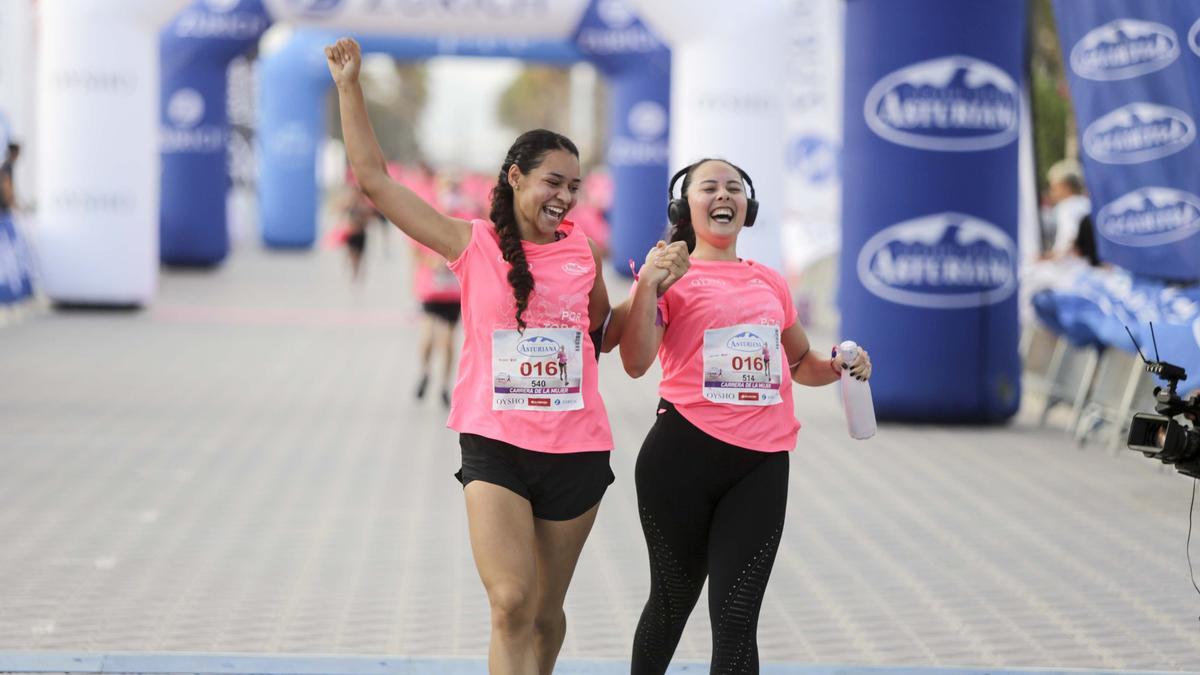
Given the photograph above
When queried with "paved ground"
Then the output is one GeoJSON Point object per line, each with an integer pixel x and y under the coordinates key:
{"type": "Point", "coordinates": [241, 468]}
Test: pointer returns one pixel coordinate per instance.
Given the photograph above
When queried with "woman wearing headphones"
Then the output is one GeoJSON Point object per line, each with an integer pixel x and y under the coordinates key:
{"type": "Point", "coordinates": [712, 473]}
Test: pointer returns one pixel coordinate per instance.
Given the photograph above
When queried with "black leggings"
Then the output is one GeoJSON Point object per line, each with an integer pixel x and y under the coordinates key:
{"type": "Point", "coordinates": [708, 509]}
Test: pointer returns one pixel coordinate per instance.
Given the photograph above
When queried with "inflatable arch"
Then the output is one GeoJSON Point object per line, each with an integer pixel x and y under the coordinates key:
{"type": "Point", "coordinates": [200, 43]}
{"type": "Point", "coordinates": [196, 49]}
{"type": "Point", "coordinates": [603, 32]}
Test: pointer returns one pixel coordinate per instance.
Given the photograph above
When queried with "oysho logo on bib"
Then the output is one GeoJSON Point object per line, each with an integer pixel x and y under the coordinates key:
{"type": "Point", "coordinates": [745, 342]}
{"type": "Point", "coordinates": [1151, 216]}
{"type": "Point", "coordinates": [575, 269]}
{"type": "Point", "coordinates": [940, 261]}
{"type": "Point", "coordinates": [954, 104]}
{"type": "Point", "coordinates": [538, 346]}
{"type": "Point", "coordinates": [1124, 48]}
{"type": "Point", "coordinates": [1138, 132]}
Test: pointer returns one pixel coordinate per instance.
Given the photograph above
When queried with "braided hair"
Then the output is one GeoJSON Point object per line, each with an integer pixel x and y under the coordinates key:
{"type": "Point", "coordinates": [526, 153]}
{"type": "Point", "coordinates": [683, 229]}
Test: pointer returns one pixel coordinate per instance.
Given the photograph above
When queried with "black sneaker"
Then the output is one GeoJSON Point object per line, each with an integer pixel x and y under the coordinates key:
{"type": "Point", "coordinates": [445, 398]}
{"type": "Point", "coordinates": [422, 386]}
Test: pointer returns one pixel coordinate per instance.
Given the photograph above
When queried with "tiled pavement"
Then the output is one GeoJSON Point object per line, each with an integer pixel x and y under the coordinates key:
{"type": "Point", "coordinates": [241, 468]}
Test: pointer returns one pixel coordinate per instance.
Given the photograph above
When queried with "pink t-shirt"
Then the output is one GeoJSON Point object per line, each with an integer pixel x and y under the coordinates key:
{"type": "Point", "coordinates": [510, 386]}
{"type": "Point", "coordinates": [434, 282]}
{"type": "Point", "coordinates": [723, 364]}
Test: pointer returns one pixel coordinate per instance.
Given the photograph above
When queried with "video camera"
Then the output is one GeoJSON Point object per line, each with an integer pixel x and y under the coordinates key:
{"type": "Point", "coordinates": [1160, 435]}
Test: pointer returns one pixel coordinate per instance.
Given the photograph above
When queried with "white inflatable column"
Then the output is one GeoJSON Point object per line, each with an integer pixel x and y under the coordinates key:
{"type": "Point", "coordinates": [727, 98]}
{"type": "Point", "coordinates": [98, 168]}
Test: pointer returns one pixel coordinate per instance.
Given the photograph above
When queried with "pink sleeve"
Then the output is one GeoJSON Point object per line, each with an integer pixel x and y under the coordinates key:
{"type": "Point", "coordinates": [458, 264]}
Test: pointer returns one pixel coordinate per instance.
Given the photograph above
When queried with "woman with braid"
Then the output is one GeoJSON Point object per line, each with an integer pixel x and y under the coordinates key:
{"type": "Point", "coordinates": [535, 443]}
{"type": "Point", "coordinates": [712, 473]}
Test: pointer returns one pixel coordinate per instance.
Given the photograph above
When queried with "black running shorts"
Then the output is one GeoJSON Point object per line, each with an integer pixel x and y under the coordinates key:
{"type": "Point", "coordinates": [559, 486]}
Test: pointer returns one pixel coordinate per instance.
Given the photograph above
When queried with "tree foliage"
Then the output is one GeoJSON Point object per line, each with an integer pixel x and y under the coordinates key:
{"type": "Point", "coordinates": [537, 98]}
{"type": "Point", "coordinates": [395, 101]}
{"type": "Point", "coordinates": [1054, 131]}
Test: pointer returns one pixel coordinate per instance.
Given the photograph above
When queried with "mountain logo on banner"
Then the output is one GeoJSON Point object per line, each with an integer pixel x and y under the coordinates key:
{"type": "Point", "coordinates": [814, 158]}
{"type": "Point", "coordinates": [1151, 216]}
{"type": "Point", "coordinates": [1194, 37]}
{"type": "Point", "coordinates": [953, 104]}
{"type": "Point", "coordinates": [185, 108]}
{"type": "Point", "coordinates": [1138, 132]}
{"type": "Point", "coordinates": [185, 112]}
{"type": "Point", "coordinates": [1124, 48]}
{"type": "Point", "coordinates": [647, 121]}
{"type": "Point", "coordinates": [940, 261]}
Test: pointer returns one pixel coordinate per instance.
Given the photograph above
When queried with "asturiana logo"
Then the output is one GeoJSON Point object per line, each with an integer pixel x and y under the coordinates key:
{"type": "Point", "coordinates": [1138, 132]}
{"type": "Point", "coordinates": [940, 261]}
{"type": "Point", "coordinates": [954, 103]}
{"type": "Point", "coordinates": [1151, 216]}
{"type": "Point", "coordinates": [538, 346]}
{"type": "Point", "coordinates": [745, 341]}
{"type": "Point", "coordinates": [1124, 48]}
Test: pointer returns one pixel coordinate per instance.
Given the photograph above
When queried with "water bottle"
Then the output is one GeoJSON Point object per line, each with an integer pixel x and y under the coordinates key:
{"type": "Point", "coordinates": [856, 396]}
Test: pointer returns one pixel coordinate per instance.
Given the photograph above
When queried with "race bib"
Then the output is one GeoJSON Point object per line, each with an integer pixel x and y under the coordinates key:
{"type": "Point", "coordinates": [743, 365]}
{"type": "Point", "coordinates": [541, 370]}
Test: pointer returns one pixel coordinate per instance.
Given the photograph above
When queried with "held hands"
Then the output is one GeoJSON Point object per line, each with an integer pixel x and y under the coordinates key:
{"type": "Point", "coordinates": [860, 368]}
{"type": "Point", "coordinates": [665, 264]}
{"type": "Point", "coordinates": [344, 58]}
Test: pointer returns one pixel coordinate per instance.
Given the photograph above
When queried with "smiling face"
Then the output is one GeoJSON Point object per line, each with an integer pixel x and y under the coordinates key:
{"type": "Point", "coordinates": [544, 196]}
{"type": "Point", "coordinates": [717, 199]}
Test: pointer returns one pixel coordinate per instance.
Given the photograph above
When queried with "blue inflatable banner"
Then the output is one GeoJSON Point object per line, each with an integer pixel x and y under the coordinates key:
{"type": "Point", "coordinates": [1134, 67]}
{"type": "Point", "coordinates": [928, 263]}
{"type": "Point", "coordinates": [16, 277]}
{"type": "Point", "coordinates": [293, 82]}
{"type": "Point", "coordinates": [638, 68]}
{"type": "Point", "coordinates": [1101, 303]}
{"type": "Point", "coordinates": [196, 50]}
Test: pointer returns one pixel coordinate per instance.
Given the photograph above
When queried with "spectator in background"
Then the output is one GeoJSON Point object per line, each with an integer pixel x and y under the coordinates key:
{"type": "Point", "coordinates": [8, 193]}
{"type": "Point", "coordinates": [1068, 203]}
{"type": "Point", "coordinates": [1084, 245]}
{"type": "Point", "coordinates": [359, 213]}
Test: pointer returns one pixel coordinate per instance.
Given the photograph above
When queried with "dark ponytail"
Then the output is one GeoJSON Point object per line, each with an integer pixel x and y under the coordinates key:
{"type": "Point", "coordinates": [527, 153]}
